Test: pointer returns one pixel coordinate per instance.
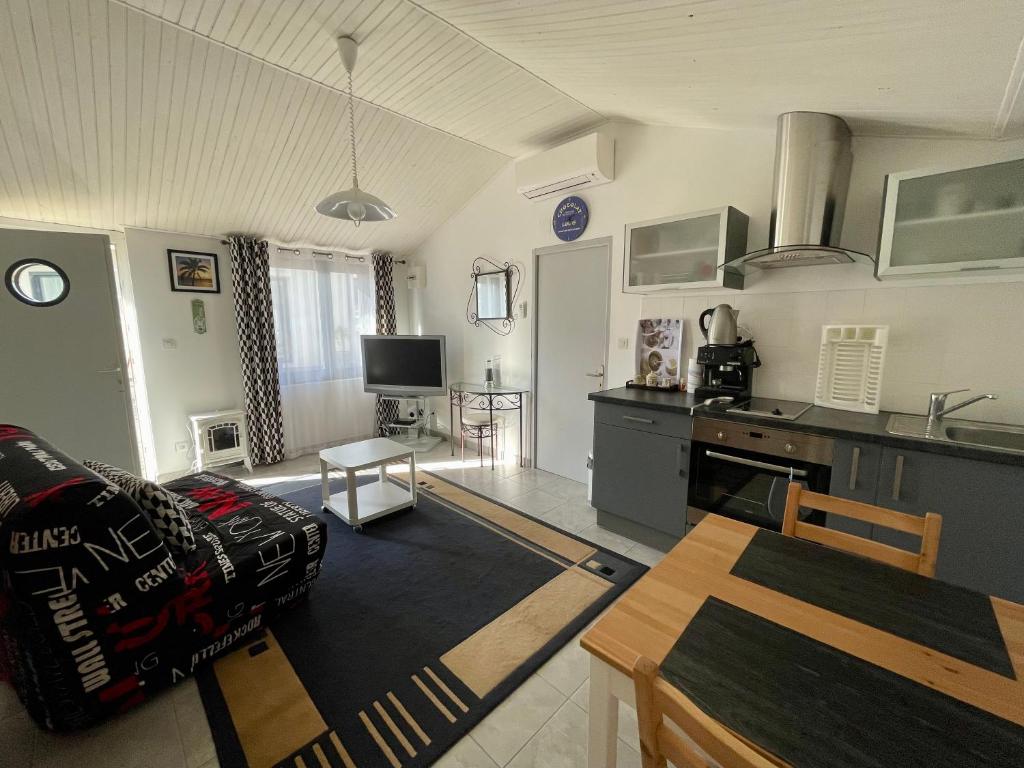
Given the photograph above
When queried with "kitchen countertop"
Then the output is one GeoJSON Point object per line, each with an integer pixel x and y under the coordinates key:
{"type": "Point", "coordinates": [829, 422]}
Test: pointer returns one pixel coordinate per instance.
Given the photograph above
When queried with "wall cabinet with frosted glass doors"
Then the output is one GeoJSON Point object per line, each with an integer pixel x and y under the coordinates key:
{"type": "Point", "coordinates": [953, 221]}
{"type": "Point", "coordinates": [688, 251]}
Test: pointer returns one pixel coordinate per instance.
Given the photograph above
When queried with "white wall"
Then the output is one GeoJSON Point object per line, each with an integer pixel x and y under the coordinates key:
{"type": "Point", "coordinates": [960, 332]}
{"type": "Point", "coordinates": [203, 373]}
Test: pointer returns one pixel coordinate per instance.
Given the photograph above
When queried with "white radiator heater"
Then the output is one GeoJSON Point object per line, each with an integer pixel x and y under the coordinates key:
{"type": "Point", "coordinates": [220, 438]}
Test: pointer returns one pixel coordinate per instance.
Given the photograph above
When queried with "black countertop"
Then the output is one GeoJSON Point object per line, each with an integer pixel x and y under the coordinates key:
{"type": "Point", "coordinates": [863, 427]}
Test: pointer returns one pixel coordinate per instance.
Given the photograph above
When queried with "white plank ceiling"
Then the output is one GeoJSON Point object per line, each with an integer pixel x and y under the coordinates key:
{"type": "Point", "coordinates": [218, 116]}
{"type": "Point", "coordinates": [888, 66]}
{"type": "Point", "coordinates": [110, 117]}
{"type": "Point", "coordinates": [410, 62]}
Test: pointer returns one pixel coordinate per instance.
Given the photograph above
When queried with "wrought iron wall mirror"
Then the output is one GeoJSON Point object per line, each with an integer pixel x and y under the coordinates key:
{"type": "Point", "coordinates": [493, 295]}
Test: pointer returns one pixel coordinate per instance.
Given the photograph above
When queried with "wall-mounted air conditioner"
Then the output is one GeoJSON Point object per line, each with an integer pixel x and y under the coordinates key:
{"type": "Point", "coordinates": [578, 164]}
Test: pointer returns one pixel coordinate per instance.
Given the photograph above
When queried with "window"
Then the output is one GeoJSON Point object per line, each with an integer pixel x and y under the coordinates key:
{"type": "Point", "coordinates": [36, 282]}
{"type": "Point", "coordinates": [320, 309]}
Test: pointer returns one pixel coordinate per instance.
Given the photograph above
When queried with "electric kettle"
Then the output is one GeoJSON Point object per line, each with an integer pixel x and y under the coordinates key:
{"type": "Point", "coordinates": [722, 328]}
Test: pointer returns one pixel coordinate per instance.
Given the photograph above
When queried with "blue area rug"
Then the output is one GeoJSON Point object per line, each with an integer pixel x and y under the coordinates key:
{"type": "Point", "coordinates": [358, 670]}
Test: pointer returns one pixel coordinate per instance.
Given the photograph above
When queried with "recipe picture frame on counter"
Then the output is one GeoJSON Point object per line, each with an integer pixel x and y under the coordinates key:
{"type": "Point", "coordinates": [659, 350]}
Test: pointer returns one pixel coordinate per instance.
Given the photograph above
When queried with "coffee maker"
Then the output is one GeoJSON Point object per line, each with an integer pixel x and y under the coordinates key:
{"type": "Point", "coordinates": [728, 370]}
{"type": "Point", "coordinates": [728, 361]}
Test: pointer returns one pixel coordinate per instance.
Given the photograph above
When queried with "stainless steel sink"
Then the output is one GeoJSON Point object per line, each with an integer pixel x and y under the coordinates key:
{"type": "Point", "coordinates": [1006, 439]}
{"type": "Point", "coordinates": [1000, 437]}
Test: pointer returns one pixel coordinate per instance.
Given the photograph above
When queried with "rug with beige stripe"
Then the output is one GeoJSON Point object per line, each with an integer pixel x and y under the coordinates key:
{"type": "Point", "coordinates": [416, 629]}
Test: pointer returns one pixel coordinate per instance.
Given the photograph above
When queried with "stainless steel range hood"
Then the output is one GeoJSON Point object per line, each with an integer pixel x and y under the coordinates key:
{"type": "Point", "coordinates": [812, 175]}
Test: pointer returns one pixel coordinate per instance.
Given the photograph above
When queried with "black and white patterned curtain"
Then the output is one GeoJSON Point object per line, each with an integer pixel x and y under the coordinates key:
{"type": "Point", "coordinates": [254, 312]}
{"type": "Point", "coordinates": [384, 295]}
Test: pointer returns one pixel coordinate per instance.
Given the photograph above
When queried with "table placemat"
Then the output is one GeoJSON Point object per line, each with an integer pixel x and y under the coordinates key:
{"type": "Point", "coordinates": [816, 707]}
{"type": "Point", "coordinates": [956, 621]}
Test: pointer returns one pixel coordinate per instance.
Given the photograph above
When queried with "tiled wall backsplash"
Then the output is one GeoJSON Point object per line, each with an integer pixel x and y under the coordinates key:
{"type": "Point", "coordinates": [940, 338]}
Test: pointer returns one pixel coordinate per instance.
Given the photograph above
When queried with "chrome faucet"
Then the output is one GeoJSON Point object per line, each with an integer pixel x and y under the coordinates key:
{"type": "Point", "coordinates": [937, 404]}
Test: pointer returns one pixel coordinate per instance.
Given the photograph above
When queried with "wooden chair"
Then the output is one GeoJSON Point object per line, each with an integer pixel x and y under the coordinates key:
{"type": "Point", "coordinates": [656, 700]}
{"type": "Point", "coordinates": [927, 528]}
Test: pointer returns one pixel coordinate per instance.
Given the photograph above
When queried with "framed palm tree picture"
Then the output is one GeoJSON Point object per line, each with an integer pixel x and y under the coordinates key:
{"type": "Point", "coordinates": [193, 271]}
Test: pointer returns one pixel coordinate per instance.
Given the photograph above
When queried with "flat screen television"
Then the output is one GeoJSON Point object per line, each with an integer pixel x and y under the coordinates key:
{"type": "Point", "coordinates": [404, 366]}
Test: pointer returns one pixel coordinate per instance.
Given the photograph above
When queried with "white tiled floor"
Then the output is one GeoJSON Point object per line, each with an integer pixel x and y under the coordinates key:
{"type": "Point", "coordinates": [543, 724]}
{"type": "Point", "coordinates": [170, 731]}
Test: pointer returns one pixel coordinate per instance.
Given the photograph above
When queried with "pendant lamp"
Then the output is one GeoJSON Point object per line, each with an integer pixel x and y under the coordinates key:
{"type": "Point", "coordinates": [353, 204]}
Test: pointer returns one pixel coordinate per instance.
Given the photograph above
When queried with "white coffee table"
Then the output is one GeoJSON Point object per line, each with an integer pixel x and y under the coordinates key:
{"type": "Point", "coordinates": [358, 504]}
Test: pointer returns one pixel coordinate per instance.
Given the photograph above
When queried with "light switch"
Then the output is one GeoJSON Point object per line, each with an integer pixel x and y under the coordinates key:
{"type": "Point", "coordinates": [169, 343]}
{"type": "Point", "coordinates": [622, 342]}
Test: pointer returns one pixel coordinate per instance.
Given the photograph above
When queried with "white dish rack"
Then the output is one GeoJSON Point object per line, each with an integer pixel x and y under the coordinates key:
{"type": "Point", "coordinates": [850, 367]}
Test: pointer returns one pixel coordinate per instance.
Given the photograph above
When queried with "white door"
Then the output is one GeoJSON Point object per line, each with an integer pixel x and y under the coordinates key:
{"type": "Point", "coordinates": [61, 374]}
{"type": "Point", "coordinates": [571, 327]}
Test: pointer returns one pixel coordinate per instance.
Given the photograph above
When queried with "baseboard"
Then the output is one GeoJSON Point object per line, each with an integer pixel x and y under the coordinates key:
{"type": "Point", "coordinates": [634, 530]}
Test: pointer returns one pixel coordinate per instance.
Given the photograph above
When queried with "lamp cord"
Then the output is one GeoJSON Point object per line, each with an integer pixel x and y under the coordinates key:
{"type": "Point", "coordinates": [352, 132]}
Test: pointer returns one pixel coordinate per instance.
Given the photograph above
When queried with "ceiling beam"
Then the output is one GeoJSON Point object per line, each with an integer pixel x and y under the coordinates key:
{"type": "Point", "coordinates": [1014, 88]}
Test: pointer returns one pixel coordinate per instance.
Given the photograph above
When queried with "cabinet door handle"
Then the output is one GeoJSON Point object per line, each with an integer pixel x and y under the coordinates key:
{"type": "Point", "coordinates": [897, 478]}
{"type": "Point", "coordinates": [854, 467]}
{"type": "Point", "coordinates": [681, 466]}
{"type": "Point", "coordinates": [638, 420]}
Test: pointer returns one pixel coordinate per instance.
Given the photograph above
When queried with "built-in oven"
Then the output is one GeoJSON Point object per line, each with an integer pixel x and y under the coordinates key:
{"type": "Point", "coordinates": [743, 471]}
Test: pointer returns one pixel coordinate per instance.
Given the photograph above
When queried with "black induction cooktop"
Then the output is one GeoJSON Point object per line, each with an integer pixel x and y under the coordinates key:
{"type": "Point", "coordinates": [785, 410]}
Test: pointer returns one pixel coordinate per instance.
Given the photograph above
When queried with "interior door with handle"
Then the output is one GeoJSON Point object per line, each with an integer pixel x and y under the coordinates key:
{"type": "Point", "coordinates": [571, 297]}
{"type": "Point", "coordinates": [598, 374]}
{"type": "Point", "coordinates": [61, 345]}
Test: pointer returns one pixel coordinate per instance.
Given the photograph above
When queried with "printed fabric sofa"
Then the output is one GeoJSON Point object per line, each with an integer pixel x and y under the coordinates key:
{"type": "Point", "coordinates": [98, 613]}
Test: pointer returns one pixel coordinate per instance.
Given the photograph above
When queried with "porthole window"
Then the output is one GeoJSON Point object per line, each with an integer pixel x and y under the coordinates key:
{"type": "Point", "coordinates": [37, 282]}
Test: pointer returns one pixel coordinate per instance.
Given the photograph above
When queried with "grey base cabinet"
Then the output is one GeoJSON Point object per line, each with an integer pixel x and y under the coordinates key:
{"type": "Point", "coordinates": [641, 468]}
{"type": "Point", "coordinates": [640, 475]}
{"type": "Point", "coordinates": [854, 476]}
{"type": "Point", "coordinates": [982, 508]}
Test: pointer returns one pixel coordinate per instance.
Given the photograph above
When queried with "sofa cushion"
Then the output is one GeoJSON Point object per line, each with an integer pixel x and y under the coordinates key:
{"type": "Point", "coordinates": [254, 543]}
{"type": "Point", "coordinates": [88, 588]}
{"type": "Point", "coordinates": [162, 506]}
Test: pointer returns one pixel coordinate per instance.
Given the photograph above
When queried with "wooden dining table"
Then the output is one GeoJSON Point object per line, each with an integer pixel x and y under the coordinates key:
{"type": "Point", "coordinates": [816, 657]}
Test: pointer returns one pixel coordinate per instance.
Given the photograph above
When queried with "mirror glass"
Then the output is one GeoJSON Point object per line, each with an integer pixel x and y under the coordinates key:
{"type": "Point", "coordinates": [37, 282]}
{"type": "Point", "coordinates": [492, 296]}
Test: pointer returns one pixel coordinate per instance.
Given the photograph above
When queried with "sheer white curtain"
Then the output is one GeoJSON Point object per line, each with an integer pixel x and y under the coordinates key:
{"type": "Point", "coordinates": [321, 306]}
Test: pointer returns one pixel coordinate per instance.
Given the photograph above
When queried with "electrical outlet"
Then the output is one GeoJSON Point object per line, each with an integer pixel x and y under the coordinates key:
{"type": "Point", "coordinates": [622, 342]}
{"type": "Point", "coordinates": [181, 446]}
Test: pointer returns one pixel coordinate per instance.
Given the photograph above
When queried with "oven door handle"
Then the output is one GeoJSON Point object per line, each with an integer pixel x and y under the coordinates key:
{"type": "Point", "coordinates": [756, 464]}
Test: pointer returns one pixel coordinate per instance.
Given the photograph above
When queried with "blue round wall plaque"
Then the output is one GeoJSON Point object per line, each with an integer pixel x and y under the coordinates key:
{"type": "Point", "coordinates": [570, 219]}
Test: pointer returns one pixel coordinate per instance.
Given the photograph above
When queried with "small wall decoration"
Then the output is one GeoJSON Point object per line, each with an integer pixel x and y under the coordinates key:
{"type": "Point", "coordinates": [198, 316]}
{"type": "Point", "coordinates": [193, 271]}
{"type": "Point", "coordinates": [570, 219]}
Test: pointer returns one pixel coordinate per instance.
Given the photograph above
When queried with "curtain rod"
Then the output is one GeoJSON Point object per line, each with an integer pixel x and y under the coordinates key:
{"type": "Point", "coordinates": [328, 254]}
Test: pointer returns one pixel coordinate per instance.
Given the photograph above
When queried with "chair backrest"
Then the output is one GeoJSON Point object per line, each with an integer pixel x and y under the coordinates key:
{"type": "Point", "coordinates": [658, 700]}
{"type": "Point", "coordinates": [927, 528]}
